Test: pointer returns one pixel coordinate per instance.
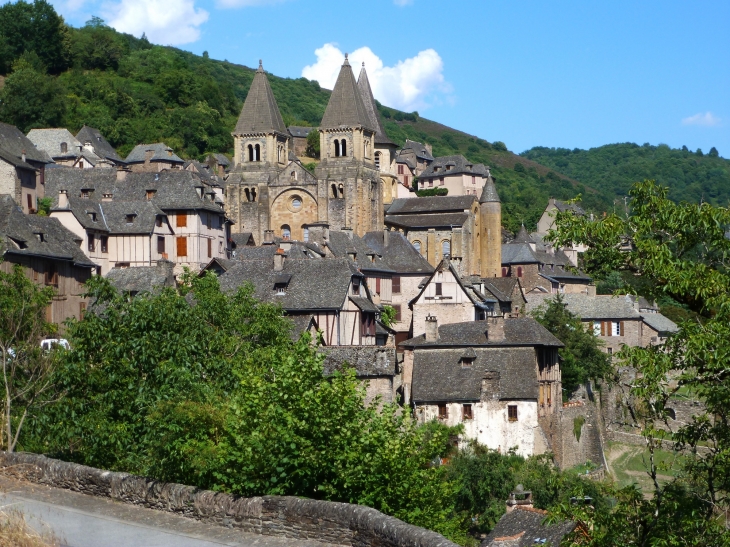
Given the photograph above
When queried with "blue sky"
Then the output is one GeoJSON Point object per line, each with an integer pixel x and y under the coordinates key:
{"type": "Point", "coordinates": [560, 73]}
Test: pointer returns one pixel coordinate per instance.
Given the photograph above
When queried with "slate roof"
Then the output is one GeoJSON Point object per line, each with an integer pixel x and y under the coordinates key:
{"type": "Point", "coordinates": [346, 107]}
{"type": "Point", "coordinates": [419, 149]}
{"type": "Point", "coordinates": [519, 252]}
{"type": "Point", "coordinates": [430, 204]}
{"type": "Point", "coordinates": [366, 360]}
{"type": "Point", "coordinates": [363, 304]}
{"type": "Point", "coordinates": [476, 296]}
{"type": "Point", "coordinates": [299, 131]}
{"type": "Point", "coordinates": [399, 255]}
{"type": "Point", "coordinates": [522, 236]}
{"type": "Point", "coordinates": [101, 146]}
{"type": "Point", "coordinates": [406, 160]}
{"type": "Point", "coordinates": [203, 172]}
{"type": "Point", "coordinates": [145, 213]}
{"type": "Point", "coordinates": [242, 239]}
{"type": "Point", "coordinates": [12, 144]}
{"type": "Point", "coordinates": [489, 192]}
{"type": "Point", "coordinates": [83, 209]}
{"type": "Point", "coordinates": [49, 140]}
{"type": "Point", "coordinates": [502, 287]}
{"type": "Point", "coordinates": [363, 83]}
{"type": "Point", "coordinates": [438, 375]}
{"type": "Point", "coordinates": [427, 221]}
{"type": "Point", "coordinates": [660, 323]}
{"type": "Point", "coordinates": [453, 165]}
{"type": "Point", "coordinates": [161, 152]}
{"type": "Point", "coordinates": [563, 206]}
{"type": "Point", "coordinates": [221, 159]}
{"type": "Point", "coordinates": [593, 307]}
{"type": "Point", "coordinates": [314, 284]}
{"type": "Point", "coordinates": [518, 331]}
{"type": "Point", "coordinates": [139, 279]}
{"type": "Point", "coordinates": [260, 113]}
{"type": "Point", "coordinates": [523, 527]}
{"type": "Point", "coordinates": [19, 234]}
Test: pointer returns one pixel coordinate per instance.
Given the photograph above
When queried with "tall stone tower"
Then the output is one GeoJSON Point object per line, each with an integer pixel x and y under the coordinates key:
{"type": "Point", "coordinates": [490, 238]}
{"type": "Point", "coordinates": [384, 147]}
{"type": "Point", "coordinates": [349, 187]}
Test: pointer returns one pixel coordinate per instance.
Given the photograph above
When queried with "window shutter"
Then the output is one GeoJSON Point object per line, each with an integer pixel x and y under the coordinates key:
{"type": "Point", "coordinates": [182, 246]}
{"type": "Point", "coordinates": [160, 244]}
{"type": "Point", "coordinates": [603, 328]}
{"type": "Point", "coordinates": [396, 284]}
{"type": "Point", "coordinates": [397, 312]}
{"type": "Point", "coordinates": [621, 328]}
{"type": "Point", "coordinates": [182, 220]}
{"type": "Point", "coordinates": [210, 247]}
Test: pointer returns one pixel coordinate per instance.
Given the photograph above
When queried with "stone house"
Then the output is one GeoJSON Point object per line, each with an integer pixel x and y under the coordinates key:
{"type": "Point", "coordinates": [218, 164]}
{"type": "Point", "coordinates": [22, 168]}
{"type": "Point", "coordinates": [134, 281]}
{"type": "Point", "coordinates": [299, 136]}
{"type": "Point", "coordinates": [455, 173]}
{"type": "Point", "coordinates": [541, 268]}
{"type": "Point", "coordinates": [617, 320]}
{"type": "Point", "coordinates": [412, 160]}
{"type": "Point", "coordinates": [375, 366]}
{"type": "Point", "coordinates": [49, 255]}
{"type": "Point", "coordinates": [524, 526]}
{"type": "Point", "coordinates": [547, 222]}
{"type": "Point", "coordinates": [154, 157]}
{"type": "Point", "coordinates": [94, 142]}
{"type": "Point", "coordinates": [66, 150]}
{"type": "Point", "coordinates": [499, 377]}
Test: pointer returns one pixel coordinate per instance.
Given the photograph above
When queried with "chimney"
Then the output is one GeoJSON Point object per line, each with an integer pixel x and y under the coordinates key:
{"type": "Point", "coordinates": [490, 386]}
{"type": "Point", "coordinates": [107, 197]}
{"type": "Point", "coordinates": [279, 257]}
{"type": "Point", "coordinates": [268, 237]}
{"type": "Point", "coordinates": [432, 329]}
{"type": "Point", "coordinates": [319, 232]}
{"type": "Point", "coordinates": [122, 173]}
{"type": "Point", "coordinates": [591, 290]}
{"type": "Point", "coordinates": [385, 237]}
{"type": "Point", "coordinates": [495, 329]}
{"type": "Point", "coordinates": [62, 199]}
{"type": "Point", "coordinates": [519, 497]}
{"type": "Point", "coordinates": [22, 156]}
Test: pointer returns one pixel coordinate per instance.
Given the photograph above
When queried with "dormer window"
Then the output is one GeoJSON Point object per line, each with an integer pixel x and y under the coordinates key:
{"type": "Point", "coordinates": [436, 169]}
{"type": "Point", "coordinates": [130, 218]}
{"type": "Point", "coordinates": [85, 194]}
{"type": "Point", "coordinates": [92, 216]}
{"type": "Point", "coordinates": [356, 287]}
{"type": "Point", "coordinates": [151, 194]}
{"type": "Point", "coordinates": [40, 236]}
{"type": "Point", "coordinates": [199, 189]}
{"type": "Point", "coordinates": [448, 168]}
{"type": "Point", "coordinates": [466, 362]}
{"type": "Point", "coordinates": [64, 147]}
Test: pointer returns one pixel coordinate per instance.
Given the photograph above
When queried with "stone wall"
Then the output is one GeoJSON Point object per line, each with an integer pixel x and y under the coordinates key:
{"type": "Point", "coordinates": [329, 522]}
{"type": "Point", "coordinates": [575, 451]}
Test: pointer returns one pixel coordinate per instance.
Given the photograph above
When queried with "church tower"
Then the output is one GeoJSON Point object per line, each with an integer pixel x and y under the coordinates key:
{"type": "Point", "coordinates": [490, 217]}
{"type": "Point", "coordinates": [350, 190]}
{"type": "Point", "coordinates": [384, 147]}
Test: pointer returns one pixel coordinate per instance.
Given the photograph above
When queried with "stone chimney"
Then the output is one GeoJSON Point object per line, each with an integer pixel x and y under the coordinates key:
{"type": "Point", "coordinates": [432, 329]}
{"type": "Point", "coordinates": [386, 236]}
{"type": "Point", "coordinates": [279, 257]}
{"type": "Point", "coordinates": [429, 148]}
{"type": "Point", "coordinates": [62, 199]}
{"type": "Point", "coordinates": [591, 290]}
{"type": "Point", "coordinates": [122, 173]}
{"type": "Point", "coordinates": [268, 237]}
{"type": "Point", "coordinates": [519, 497]}
{"type": "Point", "coordinates": [319, 232]}
{"type": "Point", "coordinates": [490, 386]}
{"type": "Point", "coordinates": [495, 329]}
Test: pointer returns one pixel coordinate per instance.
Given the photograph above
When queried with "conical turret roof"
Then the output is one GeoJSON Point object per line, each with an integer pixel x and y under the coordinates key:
{"type": "Point", "coordinates": [522, 236]}
{"type": "Point", "coordinates": [369, 101]}
{"type": "Point", "coordinates": [489, 192]}
{"type": "Point", "coordinates": [346, 107]}
{"type": "Point", "coordinates": [260, 113]}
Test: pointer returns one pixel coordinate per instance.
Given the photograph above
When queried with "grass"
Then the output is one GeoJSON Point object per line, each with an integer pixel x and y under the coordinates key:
{"type": "Point", "coordinates": [629, 464]}
{"type": "Point", "coordinates": [15, 532]}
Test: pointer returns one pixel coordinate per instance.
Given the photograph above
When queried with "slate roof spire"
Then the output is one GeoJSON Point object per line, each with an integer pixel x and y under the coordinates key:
{"type": "Point", "coordinates": [260, 113]}
{"type": "Point", "coordinates": [346, 106]}
{"type": "Point", "coordinates": [489, 192]}
{"type": "Point", "coordinates": [369, 101]}
{"type": "Point", "coordinates": [522, 236]}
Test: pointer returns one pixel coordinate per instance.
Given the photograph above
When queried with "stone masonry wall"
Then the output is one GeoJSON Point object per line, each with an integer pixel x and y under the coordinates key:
{"type": "Point", "coordinates": [329, 522]}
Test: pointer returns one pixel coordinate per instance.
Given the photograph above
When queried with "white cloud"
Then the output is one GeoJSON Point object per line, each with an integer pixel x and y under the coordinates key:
{"type": "Point", "coordinates": [168, 22]}
{"type": "Point", "coordinates": [708, 119]}
{"type": "Point", "coordinates": [246, 3]}
{"type": "Point", "coordinates": [411, 84]}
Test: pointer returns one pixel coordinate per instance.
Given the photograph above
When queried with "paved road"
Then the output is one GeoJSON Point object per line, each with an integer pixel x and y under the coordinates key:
{"type": "Point", "coordinates": [79, 520]}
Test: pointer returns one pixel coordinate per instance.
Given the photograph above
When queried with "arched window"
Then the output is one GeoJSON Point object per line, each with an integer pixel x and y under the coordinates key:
{"type": "Point", "coordinates": [344, 147]}
{"type": "Point", "coordinates": [253, 194]}
{"type": "Point", "coordinates": [505, 272]}
{"type": "Point", "coordinates": [305, 233]}
{"type": "Point", "coordinates": [337, 148]}
{"type": "Point", "coordinates": [377, 160]}
{"type": "Point", "coordinates": [417, 245]}
{"type": "Point", "coordinates": [293, 175]}
{"type": "Point", "coordinates": [286, 231]}
{"type": "Point", "coordinates": [334, 190]}
{"type": "Point", "coordinates": [257, 151]}
{"type": "Point", "coordinates": [446, 248]}
{"type": "Point", "coordinates": [519, 271]}
{"type": "Point", "coordinates": [248, 194]}
{"type": "Point", "coordinates": [341, 188]}
{"type": "Point", "coordinates": [250, 152]}
{"type": "Point", "coordinates": [64, 147]}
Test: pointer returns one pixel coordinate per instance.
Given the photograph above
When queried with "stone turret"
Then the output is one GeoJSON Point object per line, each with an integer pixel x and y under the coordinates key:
{"type": "Point", "coordinates": [490, 217]}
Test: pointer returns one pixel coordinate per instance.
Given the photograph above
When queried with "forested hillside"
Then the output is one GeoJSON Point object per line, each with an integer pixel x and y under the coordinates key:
{"type": "Point", "coordinates": [136, 92]}
{"type": "Point", "coordinates": [690, 176]}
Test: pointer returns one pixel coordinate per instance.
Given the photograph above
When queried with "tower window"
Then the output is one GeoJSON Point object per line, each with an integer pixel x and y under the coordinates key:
{"type": "Point", "coordinates": [445, 248]}
{"type": "Point", "coordinates": [377, 160]}
{"type": "Point", "coordinates": [293, 175]}
{"type": "Point", "coordinates": [296, 202]}
{"type": "Point", "coordinates": [344, 147]}
{"type": "Point", "coordinates": [341, 188]}
{"type": "Point", "coordinates": [334, 190]}
{"type": "Point", "coordinates": [337, 148]}
{"type": "Point", "coordinates": [248, 194]}
{"type": "Point", "coordinates": [257, 152]}
{"type": "Point", "coordinates": [286, 231]}
{"type": "Point", "coordinates": [250, 152]}
{"type": "Point", "coordinates": [305, 233]}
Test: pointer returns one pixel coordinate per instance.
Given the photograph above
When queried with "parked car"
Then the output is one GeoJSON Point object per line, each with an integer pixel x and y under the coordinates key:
{"type": "Point", "coordinates": [50, 343]}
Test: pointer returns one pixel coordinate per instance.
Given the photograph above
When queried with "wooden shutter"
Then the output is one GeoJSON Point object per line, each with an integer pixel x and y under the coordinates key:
{"type": "Point", "coordinates": [210, 247]}
{"type": "Point", "coordinates": [82, 309]}
{"type": "Point", "coordinates": [397, 312]}
{"type": "Point", "coordinates": [377, 285]}
{"type": "Point", "coordinates": [621, 328]}
{"type": "Point", "coordinates": [182, 220]}
{"type": "Point", "coordinates": [603, 328]}
{"type": "Point", "coordinates": [396, 284]}
{"type": "Point", "coordinates": [161, 244]}
{"type": "Point", "coordinates": [182, 246]}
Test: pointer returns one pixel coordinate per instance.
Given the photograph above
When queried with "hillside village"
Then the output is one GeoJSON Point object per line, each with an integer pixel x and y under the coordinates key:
{"type": "Point", "coordinates": [335, 248]}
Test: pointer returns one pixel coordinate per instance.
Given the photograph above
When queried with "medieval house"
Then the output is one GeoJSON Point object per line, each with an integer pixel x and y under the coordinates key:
{"type": "Point", "coordinates": [153, 158]}
{"type": "Point", "coordinates": [456, 174]}
{"type": "Point", "coordinates": [22, 168]}
{"type": "Point", "coordinates": [66, 150]}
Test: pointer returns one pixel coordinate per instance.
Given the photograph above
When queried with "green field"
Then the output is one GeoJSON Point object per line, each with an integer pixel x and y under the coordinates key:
{"type": "Point", "coordinates": [628, 464]}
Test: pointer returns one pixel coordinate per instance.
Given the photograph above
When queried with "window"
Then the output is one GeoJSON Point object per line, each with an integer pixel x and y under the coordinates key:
{"type": "Point", "coordinates": [397, 309]}
{"type": "Point", "coordinates": [368, 324]}
{"type": "Point", "coordinates": [305, 233]}
{"type": "Point", "coordinates": [64, 148]}
{"type": "Point", "coordinates": [616, 328]}
{"type": "Point", "coordinates": [519, 271]}
{"type": "Point", "coordinates": [286, 231]}
{"type": "Point", "coordinates": [405, 180]}
{"type": "Point", "coordinates": [130, 219]}
{"type": "Point", "coordinates": [161, 245]}
{"type": "Point", "coordinates": [417, 245]}
{"type": "Point", "coordinates": [293, 175]}
{"type": "Point", "coordinates": [250, 152]}
{"type": "Point", "coordinates": [609, 351]}
{"type": "Point", "coordinates": [505, 272]}
{"type": "Point", "coordinates": [377, 160]}
{"type": "Point", "coordinates": [597, 328]}
{"type": "Point", "coordinates": [443, 411]}
{"type": "Point", "coordinates": [473, 179]}
{"type": "Point", "coordinates": [377, 285]}
{"type": "Point", "coordinates": [82, 309]}
{"type": "Point", "coordinates": [430, 183]}
{"type": "Point", "coordinates": [466, 413]}
{"type": "Point", "coordinates": [466, 362]}
{"type": "Point", "coordinates": [439, 289]}
{"type": "Point", "coordinates": [446, 248]}
{"type": "Point", "coordinates": [257, 152]}
{"type": "Point", "coordinates": [334, 190]}
{"type": "Point", "coordinates": [30, 202]}
{"type": "Point", "coordinates": [210, 248]}
{"type": "Point", "coordinates": [52, 275]}
{"type": "Point", "coordinates": [91, 242]}
{"type": "Point", "coordinates": [208, 221]}
{"type": "Point", "coordinates": [150, 194]}
{"type": "Point", "coordinates": [296, 202]}
{"type": "Point", "coordinates": [337, 148]}
{"type": "Point", "coordinates": [181, 220]}
{"type": "Point", "coordinates": [182, 246]}
{"type": "Point", "coordinates": [441, 181]}
{"type": "Point", "coordinates": [84, 194]}
{"type": "Point", "coordinates": [512, 413]}
{"type": "Point", "coordinates": [396, 284]}
{"type": "Point", "coordinates": [92, 216]}
{"type": "Point", "coordinates": [400, 169]}
{"type": "Point", "coordinates": [356, 287]}
{"type": "Point", "coordinates": [158, 221]}
{"type": "Point", "coordinates": [344, 147]}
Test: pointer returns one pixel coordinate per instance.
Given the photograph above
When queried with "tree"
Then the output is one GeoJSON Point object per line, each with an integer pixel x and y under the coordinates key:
{"type": "Point", "coordinates": [682, 249]}
{"type": "Point", "coordinates": [713, 153]}
{"type": "Point", "coordinates": [27, 370]}
{"type": "Point", "coordinates": [313, 150]}
{"type": "Point", "coordinates": [31, 99]}
{"type": "Point", "coordinates": [581, 359]}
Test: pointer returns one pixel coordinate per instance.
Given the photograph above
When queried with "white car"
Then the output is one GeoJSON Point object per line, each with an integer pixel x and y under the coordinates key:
{"type": "Point", "coordinates": [50, 343]}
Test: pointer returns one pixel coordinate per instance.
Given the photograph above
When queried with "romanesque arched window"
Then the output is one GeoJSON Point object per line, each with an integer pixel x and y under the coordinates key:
{"type": "Point", "coordinates": [344, 147]}
{"type": "Point", "coordinates": [253, 194]}
{"type": "Point", "coordinates": [293, 175]}
{"type": "Point", "coordinates": [446, 248]}
{"type": "Point", "coordinates": [305, 232]}
{"type": "Point", "coordinates": [334, 190]}
{"type": "Point", "coordinates": [286, 231]}
{"type": "Point", "coordinates": [341, 188]}
{"type": "Point", "coordinates": [417, 245]}
{"type": "Point", "coordinates": [377, 160]}
{"type": "Point", "coordinates": [257, 152]}
{"type": "Point", "coordinates": [519, 271]}
{"type": "Point", "coordinates": [248, 194]}
{"type": "Point", "coordinates": [250, 152]}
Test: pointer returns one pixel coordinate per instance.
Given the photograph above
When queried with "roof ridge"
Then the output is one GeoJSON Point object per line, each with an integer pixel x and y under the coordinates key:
{"type": "Point", "coordinates": [363, 83]}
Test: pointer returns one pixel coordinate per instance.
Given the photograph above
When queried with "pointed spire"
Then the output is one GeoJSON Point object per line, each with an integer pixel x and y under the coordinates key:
{"type": "Point", "coordinates": [260, 113]}
{"type": "Point", "coordinates": [522, 236]}
{"type": "Point", "coordinates": [345, 106]}
{"type": "Point", "coordinates": [489, 192]}
{"type": "Point", "coordinates": [369, 101]}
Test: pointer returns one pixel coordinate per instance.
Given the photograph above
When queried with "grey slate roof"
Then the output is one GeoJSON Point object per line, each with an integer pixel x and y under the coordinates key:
{"type": "Point", "coordinates": [660, 323]}
{"type": "Point", "coordinates": [144, 215]}
{"type": "Point", "coordinates": [518, 331]}
{"type": "Point", "coordinates": [489, 192]}
{"type": "Point", "coordinates": [419, 149]}
{"type": "Point", "coordinates": [593, 307]}
{"type": "Point", "coordinates": [522, 236]}
{"type": "Point", "coordinates": [19, 234]}
{"type": "Point", "coordinates": [139, 279]}
{"type": "Point", "coordinates": [364, 304]}
{"type": "Point", "coordinates": [438, 220]}
{"type": "Point", "coordinates": [49, 140]}
{"type": "Point", "coordinates": [453, 165]}
{"type": "Point", "coordinates": [406, 160]}
{"type": "Point", "coordinates": [101, 146]}
{"type": "Point", "coordinates": [346, 107]}
{"type": "Point", "coordinates": [366, 360]}
{"type": "Point", "coordinates": [242, 239]}
{"type": "Point", "coordinates": [399, 255]}
{"type": "Point", "coordinates": [438, 375]}
{"type": "Point", "coordinates": [563, 206]}
{"type": "Point", "coordinates": [314, 284]}
{"type": "Point", "coordinates": [13, 143]}
{"type": "Point", "coordinates": [366, 92]}
{"type": "Point", "coordinates": [83, 209]}
{"type": "Point", "coordinates": [502, 287]}
{"type": "Point", "coordinates": [260, 113]}
{"type": "Point", "coordinates": [528, 525]}
{"type": "Point", "coordinates": [160, 152]}
{"type": "Point", "coordinates": [430, 204]}
{"type": "Point", "coordinates": [222, 160]}
{"type": "Point", "coordinates": [299, 131]}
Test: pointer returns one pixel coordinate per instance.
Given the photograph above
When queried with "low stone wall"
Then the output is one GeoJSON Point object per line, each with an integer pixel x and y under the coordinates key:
{"type": "Point", "coordinates": [298, 518]}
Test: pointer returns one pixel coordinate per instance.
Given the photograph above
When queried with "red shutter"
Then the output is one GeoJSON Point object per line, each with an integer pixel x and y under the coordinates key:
{"type": "Point", "coordinates": [377, 285]}
{"type": "Point", "coordinates": [621, 329]}
{"type": "Point", "coordinates": [396, 284]}
{"type": "Point", "coordinates": [182, 246]}
{"type": "Point", "coordinates": [603, 328]}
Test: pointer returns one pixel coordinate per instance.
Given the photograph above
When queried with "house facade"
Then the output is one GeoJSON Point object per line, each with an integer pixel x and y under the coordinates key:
{"type": "Point", "coordinates": [456, 174]}
{"type": "Point", "coordinates": [22, 168]}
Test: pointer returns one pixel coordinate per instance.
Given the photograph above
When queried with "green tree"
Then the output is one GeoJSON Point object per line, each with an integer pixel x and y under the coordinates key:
{"type": "Point", "coordinates": [97, 46]}
{"type": "Point", "coordinates": [611, 283]}
{"type": "Point", "coordinates": [312, 150]}
{"type": "Point", "coordinates": [31, 99]}
{"type": "Point", "coordinates": [581, 359]}
{"type": "Point", "coordinates": [713, 153]}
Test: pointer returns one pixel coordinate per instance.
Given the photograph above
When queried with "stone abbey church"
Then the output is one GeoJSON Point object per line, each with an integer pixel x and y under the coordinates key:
{"type": "Point", "coordinates": [269, 189]}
